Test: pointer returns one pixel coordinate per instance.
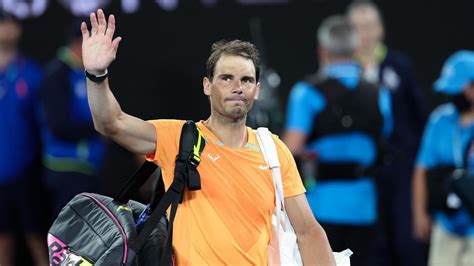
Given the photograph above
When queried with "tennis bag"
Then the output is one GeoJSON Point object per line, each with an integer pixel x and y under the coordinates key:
{"type": "Point", "coordinates": [93, 229]}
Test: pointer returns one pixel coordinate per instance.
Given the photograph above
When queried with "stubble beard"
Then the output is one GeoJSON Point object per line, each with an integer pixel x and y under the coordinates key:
{"type": "Point", "coordinates": [235, 113]}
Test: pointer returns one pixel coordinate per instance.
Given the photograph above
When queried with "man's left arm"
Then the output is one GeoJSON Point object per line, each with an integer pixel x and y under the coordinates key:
{"type": "Point", "coordinates": [312, 240]}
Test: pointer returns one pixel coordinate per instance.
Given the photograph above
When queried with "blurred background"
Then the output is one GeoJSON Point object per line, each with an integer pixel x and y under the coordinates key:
{"type": "Point", "coordinates": [162, 58]}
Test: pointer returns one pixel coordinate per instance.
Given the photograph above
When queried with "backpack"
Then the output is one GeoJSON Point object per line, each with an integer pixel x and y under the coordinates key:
{"type": "Point", "coordinates": [93, 229]}
{"type": "Point", "coordinates": [450, 187]}
{"type": "Point", "coordinates": [462, 181]}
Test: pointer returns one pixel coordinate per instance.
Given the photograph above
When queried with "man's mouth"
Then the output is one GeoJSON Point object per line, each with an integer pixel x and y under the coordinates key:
{"type": "Point", "coordinates": [236, 99]}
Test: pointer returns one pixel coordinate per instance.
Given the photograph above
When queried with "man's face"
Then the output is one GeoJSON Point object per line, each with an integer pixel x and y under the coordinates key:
{"type": "Point", "coordinates": [233, 88]}
{"type": "Point", "coordinates": [9, 34]}
{"type": "Point", "coordinates": [469, 92]}
{"type": "Point", "coordinates": [368, 26]}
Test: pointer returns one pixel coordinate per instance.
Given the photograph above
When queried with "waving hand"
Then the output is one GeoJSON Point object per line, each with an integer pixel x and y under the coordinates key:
{"type": "Point", "coordinates": [99, 49]}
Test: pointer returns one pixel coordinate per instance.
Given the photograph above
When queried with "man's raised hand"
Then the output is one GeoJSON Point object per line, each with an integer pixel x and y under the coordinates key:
{"type": "Point", "coordinates": [99, 49]}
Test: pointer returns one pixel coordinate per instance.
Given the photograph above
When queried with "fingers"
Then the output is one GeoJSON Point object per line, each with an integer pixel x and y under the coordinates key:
{"type": "Point", "coordinates": [94, 24]}
{"type": "Point", "coordinates": [425, 234]}
{"type": "Point", "coordinates": [102, 21]}
{"type": "Point", "coordinates": [100, 25]}
{"type": "Point", "coordinates": [115, 43]}
{"type": "Point", "coordinates": [422, 229]}
{"type": "Point", "coordinates": [85, 32]}
{"type": "Point", "coordinates": [110, 27]}
{"type": "Point", "coordinates": [421, 234]}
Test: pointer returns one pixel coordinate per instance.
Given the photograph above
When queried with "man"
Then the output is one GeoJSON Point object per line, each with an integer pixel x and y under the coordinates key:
{"type": "Point", "coordinates": [228, 221]}
{"type": "Point", "coordinates": [72, 150]}
{"type": "Point", "coordinates": [449, 131]}
{"type": "Point", "coordinates": [340, 118]}
{"type": "Point", "coordinates": [395, 244]}
{"type": "Point", "coordinates": [20, 194]}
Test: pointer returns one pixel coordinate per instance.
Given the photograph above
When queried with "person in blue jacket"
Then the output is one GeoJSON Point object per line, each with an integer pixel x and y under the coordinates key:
{"type": "Point", "coordinates": [395, 244]}
{"type": "Point", "coordinates": [342, 119]}
{"type": "Point", "coordinates": [72, 150]}
{"type": "Point", "coordinates": [20, 194]}
{"type": "Point", "coordinates": [449, 130]}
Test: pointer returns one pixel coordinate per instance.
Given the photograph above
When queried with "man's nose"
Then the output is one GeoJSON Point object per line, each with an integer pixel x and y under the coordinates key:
{"type": "Point", "coordinates": [237, 86]}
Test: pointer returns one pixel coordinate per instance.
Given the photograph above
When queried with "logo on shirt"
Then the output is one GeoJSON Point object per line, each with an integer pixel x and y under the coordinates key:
{"type": "Point", "coordinates": [213, 158]}
{"type": "Point", "coordinates": [21, 88]}
{"type": "Point", "coordinates": [390, 78]}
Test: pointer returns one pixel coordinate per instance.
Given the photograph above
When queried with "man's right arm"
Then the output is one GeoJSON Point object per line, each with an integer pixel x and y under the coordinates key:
{"type": "Point", "coordinates": [421, 218]}
{"type": "Point", "coordinates": [426, 159]}
{"type": "Point", "coordinates": [99, 49]}
{"type": "Point", "coordinates": [130, 132]}
{"type": "Point", "coordinates": [304, 103]}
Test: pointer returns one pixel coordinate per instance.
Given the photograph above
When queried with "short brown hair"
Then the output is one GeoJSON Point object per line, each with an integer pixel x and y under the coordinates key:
{"type": "Point", "coordinates": [234, 47]}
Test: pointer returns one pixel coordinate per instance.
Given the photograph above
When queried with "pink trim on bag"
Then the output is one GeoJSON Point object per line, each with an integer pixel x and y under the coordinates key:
{"type": "Point", "coordinates": [124, 260]}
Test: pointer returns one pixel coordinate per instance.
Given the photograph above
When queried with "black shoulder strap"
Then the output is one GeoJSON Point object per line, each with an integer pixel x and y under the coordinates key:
{"type": "Point", "coordinates": [191, 145]}
{"type": "Point", "coordinates": [185, 174]}
{"type": "Point", "coordinates": [135, 182]}
{"type": "Point", "coordinates": [158, 191]}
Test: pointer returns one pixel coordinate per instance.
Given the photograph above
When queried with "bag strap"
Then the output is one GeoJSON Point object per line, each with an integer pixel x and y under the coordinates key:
{"type": "Point", "coordinates": [158, 192]}
{"type": "Point", "coordinates": [135, 182]}
{"type": "Point", "coordinates": [185, 174]}
{"type": "Point", "coordinates": [268, 148]}
{"type": "Point", "coordinates": [191, 145]}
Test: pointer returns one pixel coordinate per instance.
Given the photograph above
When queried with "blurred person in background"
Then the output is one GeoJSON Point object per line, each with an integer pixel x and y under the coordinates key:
{"type": "Point", "coordinates": [72, 150]}
{"type": "Point", "coordinates": [395, 244]}
{"type": "Point", "coordinates": [446, 137]}
{"type": "Point", "coordinates": [341, 118]}
{"type": "Point", "coordinates": [20, 207]}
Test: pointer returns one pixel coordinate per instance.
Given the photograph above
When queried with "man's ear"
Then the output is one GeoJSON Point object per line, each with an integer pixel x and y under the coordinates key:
{"type": "Point", "coordinates": [206, 84]}
{"type": "Point", "coordinates": [322, 55]}
{"type": "Point", "coordinates": [257, 91]}
{"type": "Point", "coordinates": [469, 91]}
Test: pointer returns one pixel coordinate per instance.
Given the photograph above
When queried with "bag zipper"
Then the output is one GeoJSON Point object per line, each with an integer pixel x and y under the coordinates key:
{"type": "Point", "coordinates": [122, 231]}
